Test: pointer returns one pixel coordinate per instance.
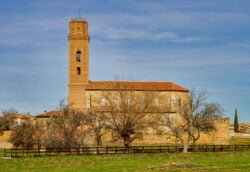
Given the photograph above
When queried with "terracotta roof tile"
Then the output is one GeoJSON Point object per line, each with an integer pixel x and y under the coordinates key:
{"type": "Point", "coordinates": [137, 86]}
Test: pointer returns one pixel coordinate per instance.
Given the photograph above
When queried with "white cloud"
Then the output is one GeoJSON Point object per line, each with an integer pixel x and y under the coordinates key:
{"type": "Point", "coordinates": [120, 33]}
{"type": "Point", "coordinates": [148, 15]}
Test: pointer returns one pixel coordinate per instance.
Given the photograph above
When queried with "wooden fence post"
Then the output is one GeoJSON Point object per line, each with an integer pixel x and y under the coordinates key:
{"type": "Point", "coordinates": [97, 150]}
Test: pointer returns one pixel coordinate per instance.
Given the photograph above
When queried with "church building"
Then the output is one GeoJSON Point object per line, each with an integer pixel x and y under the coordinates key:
{"type": "Point", "coordinates": [81, 89]}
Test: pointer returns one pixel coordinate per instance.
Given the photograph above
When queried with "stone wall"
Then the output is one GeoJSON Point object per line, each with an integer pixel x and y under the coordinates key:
{"type": "Point", "coordinates": [4, 143]}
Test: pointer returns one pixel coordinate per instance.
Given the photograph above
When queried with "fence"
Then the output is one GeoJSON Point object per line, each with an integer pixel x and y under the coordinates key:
{"type": "Point", "coordinates": [120, 150]}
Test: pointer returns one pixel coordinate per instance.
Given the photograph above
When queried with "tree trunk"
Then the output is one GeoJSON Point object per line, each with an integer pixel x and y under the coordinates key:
{"type": "Point", "coordinates": [99, 140]}
{"type": "Point", "coordinates": [185, 149]}
{"type": "Point", "coordinates": [127, 142]}
{"type": "Point", "coordinates": [186, 144]}
{"type": "Point", "coordinates": [196, 138]}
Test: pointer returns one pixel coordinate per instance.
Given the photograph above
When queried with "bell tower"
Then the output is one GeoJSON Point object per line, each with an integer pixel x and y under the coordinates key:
{"type": "Point", "coordinates": [78, 62]}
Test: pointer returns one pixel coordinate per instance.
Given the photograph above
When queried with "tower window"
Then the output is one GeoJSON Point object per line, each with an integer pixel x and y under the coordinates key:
{"type": "Point", "coordinates": [78, 56]}
{"type": "Point", "coordinates": [78, 70]}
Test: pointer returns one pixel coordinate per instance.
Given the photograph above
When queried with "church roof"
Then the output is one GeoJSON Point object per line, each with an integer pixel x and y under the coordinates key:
{"type": "Point", "coordinates": [136, 86]}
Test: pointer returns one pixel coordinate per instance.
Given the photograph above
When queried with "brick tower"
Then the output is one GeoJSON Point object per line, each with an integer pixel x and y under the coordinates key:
{"type": "Point", "coordinates": [78, 62]}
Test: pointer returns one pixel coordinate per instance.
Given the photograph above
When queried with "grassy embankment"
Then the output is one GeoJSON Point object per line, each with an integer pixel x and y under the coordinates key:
{"type": "Point", "coordinates": [237, 161]}
{"type": "Point", "coordinates": [240, 141]}
{"type": "Point", "coordinates": [234, 161]}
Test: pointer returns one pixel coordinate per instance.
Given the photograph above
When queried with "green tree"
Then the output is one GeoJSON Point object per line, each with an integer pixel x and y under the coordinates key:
{"type": "Point", "coordinates": [236, 121]}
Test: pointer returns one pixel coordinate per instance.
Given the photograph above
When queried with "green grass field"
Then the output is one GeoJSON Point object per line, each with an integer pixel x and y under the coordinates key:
{"type": "Point", "coordinates": [238, 161]}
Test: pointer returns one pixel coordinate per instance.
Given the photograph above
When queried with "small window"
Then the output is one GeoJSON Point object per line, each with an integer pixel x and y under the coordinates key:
{"type": "Point", "coordinates": [78, 56]}
{"type": "Point", "coordinates": [103, 102]}
{"type": "Point", "coordinates": [78, 70]}
{"type": "Point", "coordinates": [179, 102]}
{"type": "Point", "coordinates": [156, 102]}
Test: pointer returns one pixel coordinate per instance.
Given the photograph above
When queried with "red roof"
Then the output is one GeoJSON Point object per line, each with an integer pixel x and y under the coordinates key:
{"type": "Point", "coordinates": [136, 86]}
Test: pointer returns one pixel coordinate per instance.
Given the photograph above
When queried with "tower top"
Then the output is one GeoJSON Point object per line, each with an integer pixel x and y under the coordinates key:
{"type": "Point", "coordinates": [78, 19]}
{"type": "Point", "coordinates": [78, 29]}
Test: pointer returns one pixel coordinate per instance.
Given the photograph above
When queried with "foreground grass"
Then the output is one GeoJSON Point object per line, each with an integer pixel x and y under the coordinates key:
{"type": "Point", "coordinates": [238, 161]}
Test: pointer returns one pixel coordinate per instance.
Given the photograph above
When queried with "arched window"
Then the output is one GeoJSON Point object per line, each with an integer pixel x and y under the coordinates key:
{"type": "Point", "coordinates": [78, 70]}
{"type": "Point", "coordinates": [78, 55]}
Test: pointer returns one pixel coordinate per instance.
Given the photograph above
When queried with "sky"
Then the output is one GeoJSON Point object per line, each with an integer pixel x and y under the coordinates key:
{"type": "Point", "coordinates": [194, 43]}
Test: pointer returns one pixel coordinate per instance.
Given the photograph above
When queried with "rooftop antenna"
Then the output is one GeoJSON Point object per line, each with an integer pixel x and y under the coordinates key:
{"type": "Point", "coordinates": [79, 13]}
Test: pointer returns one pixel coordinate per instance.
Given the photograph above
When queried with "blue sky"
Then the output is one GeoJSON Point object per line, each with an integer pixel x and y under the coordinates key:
{"type": "Point", "coordinates": [195, 43]}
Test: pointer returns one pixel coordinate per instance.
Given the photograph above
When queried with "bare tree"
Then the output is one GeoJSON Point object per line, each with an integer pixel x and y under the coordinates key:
{"type": "Point", "coordinates": [128, 113]}
{"type": "Point", "coordinates": [97, 123]}
{"type": "Point", "coordinates": [9, 111]}
{"type": "Point", "coordinates": [26, 135]}
{"type": "Point", "coordinates": [194, 116]}
{"type": "Point", "coordinates": [4, 126]}
{"type": "Point", "coordinates": [65, 128]}
{"type": "Point", "coordinates": [6, 120]}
